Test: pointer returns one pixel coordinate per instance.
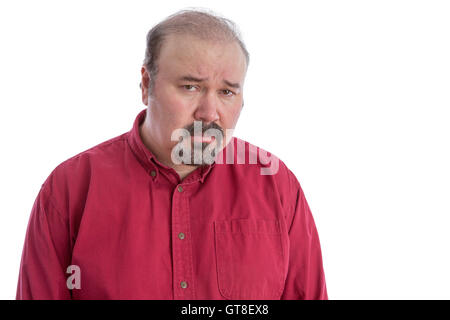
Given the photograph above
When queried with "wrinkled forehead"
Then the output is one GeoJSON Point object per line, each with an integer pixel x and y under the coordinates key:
{"type": "Point", "coordinates": [186, 54]}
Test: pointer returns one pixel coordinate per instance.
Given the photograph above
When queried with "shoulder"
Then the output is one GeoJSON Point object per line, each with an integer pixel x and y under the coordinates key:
{"type": "Point", "coordinates": [96, 153]}
{"type": "Point", "coordinates": [73, 174]}
{"type": "Point", "coordinates": [267, 162]}
{"type": "Point", "coordinates": [265, 167]}
{"type": "Point", "coordinates": [286, 184]}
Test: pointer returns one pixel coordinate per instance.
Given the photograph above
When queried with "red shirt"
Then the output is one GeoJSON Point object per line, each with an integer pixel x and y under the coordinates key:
{"type": "Point", "coordinates": [136, 231]}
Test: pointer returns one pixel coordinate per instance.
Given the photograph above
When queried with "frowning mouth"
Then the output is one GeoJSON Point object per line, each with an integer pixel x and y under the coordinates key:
{"type": "Point", "coordinates": [202, 139]}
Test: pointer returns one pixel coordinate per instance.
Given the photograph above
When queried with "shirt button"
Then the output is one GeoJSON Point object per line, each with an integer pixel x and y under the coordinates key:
{"type": "Point", "coordinates": [183, 284]}
{"type": "Point", "coordinates": [153, 173]}
{"type": "Point", "coordinates": [181, 235]}
{"type": "Point", "coordinates": [180, 189]}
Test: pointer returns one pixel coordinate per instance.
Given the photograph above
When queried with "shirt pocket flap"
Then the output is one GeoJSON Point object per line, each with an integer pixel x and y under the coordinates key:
{"type": "Point", "coordinates": [249, 258]}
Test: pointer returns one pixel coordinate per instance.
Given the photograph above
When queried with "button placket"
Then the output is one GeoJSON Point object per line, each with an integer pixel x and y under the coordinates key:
{"type": "Point", "coordinates": [181, 246]}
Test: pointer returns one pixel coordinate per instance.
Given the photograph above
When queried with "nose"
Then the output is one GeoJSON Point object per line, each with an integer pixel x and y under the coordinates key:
{"type": "Point", "coordinates": [207, 109]}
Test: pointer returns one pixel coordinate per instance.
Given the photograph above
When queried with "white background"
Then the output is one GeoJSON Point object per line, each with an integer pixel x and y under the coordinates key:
{"type": "Point", "coordinates": [352, 95]}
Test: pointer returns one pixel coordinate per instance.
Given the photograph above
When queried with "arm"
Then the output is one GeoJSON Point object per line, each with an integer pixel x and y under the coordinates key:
{"type": "Point", "coordinates": [46, 253]}
{"type": "Point", "coordinates": [305, 279]}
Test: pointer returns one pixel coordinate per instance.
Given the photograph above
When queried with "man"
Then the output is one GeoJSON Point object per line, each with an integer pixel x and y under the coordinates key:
{"type": "Point", "coordinates": [156, 213]}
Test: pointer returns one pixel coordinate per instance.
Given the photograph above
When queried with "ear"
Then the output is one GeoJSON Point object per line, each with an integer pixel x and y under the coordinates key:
{"type": "Point", "coordinates": [145, 81]}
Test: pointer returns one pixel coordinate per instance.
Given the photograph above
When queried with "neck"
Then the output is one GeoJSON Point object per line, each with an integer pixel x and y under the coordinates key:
{"type": "Point", "coordinates": [184, 172]}
{"type": "Point", "coordinates": [182, 169]}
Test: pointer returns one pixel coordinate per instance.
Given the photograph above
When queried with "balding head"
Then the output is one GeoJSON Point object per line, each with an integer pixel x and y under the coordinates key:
{"type": "Point", "coordinates": [202, 24]}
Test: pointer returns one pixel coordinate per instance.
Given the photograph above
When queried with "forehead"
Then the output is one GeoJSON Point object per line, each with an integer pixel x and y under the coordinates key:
{"type": "Point", "coordinates": [185, 54]}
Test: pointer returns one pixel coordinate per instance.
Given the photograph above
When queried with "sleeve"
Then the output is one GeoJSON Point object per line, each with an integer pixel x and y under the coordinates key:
{"type": "Point", "coordinates": [46, 254]}
{"type": "Point", "coordinates": [305, 278]}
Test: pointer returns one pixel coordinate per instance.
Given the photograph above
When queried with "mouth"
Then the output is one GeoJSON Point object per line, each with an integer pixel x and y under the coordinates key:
{"type": "Point", "coordinates": [202, 139]}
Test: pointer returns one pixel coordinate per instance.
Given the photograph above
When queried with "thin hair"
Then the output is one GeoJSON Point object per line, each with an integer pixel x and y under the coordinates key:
{"type": "Point", "coordinates": [202, 23]}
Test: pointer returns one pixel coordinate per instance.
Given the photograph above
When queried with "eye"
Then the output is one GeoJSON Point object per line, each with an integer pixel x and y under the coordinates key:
{"type": "Point", "coordinates": [189, 87]}
{"type": "Point", "coordinates": [227, 92]}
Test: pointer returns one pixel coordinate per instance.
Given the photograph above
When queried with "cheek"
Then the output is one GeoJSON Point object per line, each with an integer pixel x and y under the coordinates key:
{"type": "Point", "coordinates": [172, 108]}
{"type": "Point", "coordinates": [167, 118]}
{"type": "Point", "coordinates": [229, 121]}
{"type": "Point", "coordinates": [231, 117]}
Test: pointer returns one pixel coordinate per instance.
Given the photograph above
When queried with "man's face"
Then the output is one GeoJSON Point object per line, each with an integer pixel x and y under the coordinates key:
{"type": "Point", "coordinates": [197, 80]}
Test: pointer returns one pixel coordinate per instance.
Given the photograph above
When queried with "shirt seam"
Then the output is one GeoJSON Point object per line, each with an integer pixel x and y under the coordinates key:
{"type": "Point", "coordinates": [98, 146]}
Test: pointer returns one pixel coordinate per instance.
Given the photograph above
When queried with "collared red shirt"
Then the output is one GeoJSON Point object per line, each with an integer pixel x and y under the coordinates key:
{"type": "Point", "coordinates": [114, 223]}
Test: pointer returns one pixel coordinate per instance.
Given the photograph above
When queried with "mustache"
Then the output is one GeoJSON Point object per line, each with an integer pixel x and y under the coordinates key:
{"type": "Point", "coordinates": [205, 127]}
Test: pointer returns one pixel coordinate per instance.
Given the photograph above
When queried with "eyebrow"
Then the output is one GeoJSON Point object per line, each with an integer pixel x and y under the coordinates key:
{"type": "Point", "coordinates": [194, 79]}
{"type": "Point", "coordinates": [233, 85]}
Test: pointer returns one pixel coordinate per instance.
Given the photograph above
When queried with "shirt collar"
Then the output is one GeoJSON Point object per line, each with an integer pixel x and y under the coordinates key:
{"type": "Point", "coordinates": [147, 159]}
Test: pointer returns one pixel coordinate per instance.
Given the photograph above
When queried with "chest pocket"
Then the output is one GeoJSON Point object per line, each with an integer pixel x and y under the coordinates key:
{"type": "Point", "coordinates": [249, 258]}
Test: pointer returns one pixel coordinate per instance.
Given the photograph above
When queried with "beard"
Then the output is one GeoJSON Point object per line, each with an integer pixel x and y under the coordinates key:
{"type": "Point", "coordinates": [200, 153]}
{"type": "Point", "coordinates": [192, 149]}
